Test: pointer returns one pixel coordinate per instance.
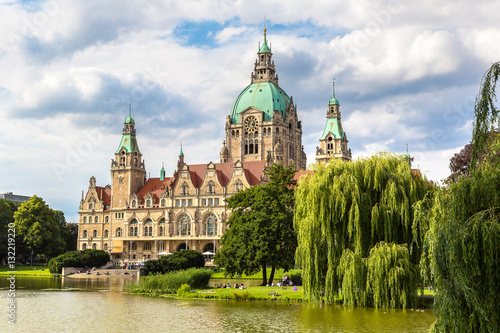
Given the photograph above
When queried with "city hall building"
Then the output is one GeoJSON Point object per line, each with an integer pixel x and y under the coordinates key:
{"type": "Point", "coordinates": [136, 218]}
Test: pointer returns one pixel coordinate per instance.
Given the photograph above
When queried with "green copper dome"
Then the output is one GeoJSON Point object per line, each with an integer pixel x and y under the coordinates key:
{"type": "Point", "coordinates": [129, 120]}
{"type": "Point", "coordinates": [333, 101]}
{"type": "Point", "coordinates": [264, 96]}
{"type": "Point", "coordinates": [333, 126]}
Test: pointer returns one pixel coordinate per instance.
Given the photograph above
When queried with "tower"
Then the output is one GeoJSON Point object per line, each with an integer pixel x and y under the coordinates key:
{"type": "Point", "coordinates": [127, 168]}
{"type": "Point", "coordinates": [333, 141]}
{"type": "Point", "coordinates": [263, 115]}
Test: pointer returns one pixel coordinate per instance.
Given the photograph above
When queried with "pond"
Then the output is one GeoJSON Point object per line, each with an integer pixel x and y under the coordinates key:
{"type": "Point", "coordinates": [95, 304]}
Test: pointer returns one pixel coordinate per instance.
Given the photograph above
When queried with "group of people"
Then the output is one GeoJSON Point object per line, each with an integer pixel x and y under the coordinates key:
{"type": "Point", "coordinates": [228, 285]}
{"type": "Point", "coordinates": [285, 282]}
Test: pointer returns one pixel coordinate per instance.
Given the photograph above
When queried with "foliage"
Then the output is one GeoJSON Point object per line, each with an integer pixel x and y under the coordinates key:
{"type": "Point", "coordinates": [183, 290]}
{"type": "Point", "coordinates": [486, 113]}
{"type": "Point", "coordinates": [7, 209]}
{"type": "Point", "coordinates": [295, 276]}
{"type": "Point", "coordinates": [355, 205]}
{"type": "Point", "coordinates": [183, 259]}
{"type": "Point", "coordinates": [85, 258]}
{"type": "Point", "coordinates": [170, 282]}
{"type": "Point", "coordinates": [38, 228]}
{"type": "Point", "coordinates": [260, 230]}
{"type": "Point", "coordinates": [462, 255]}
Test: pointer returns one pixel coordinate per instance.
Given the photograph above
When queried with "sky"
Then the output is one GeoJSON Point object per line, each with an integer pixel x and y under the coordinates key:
{"type": "Point", "coordinates": [407, 73]}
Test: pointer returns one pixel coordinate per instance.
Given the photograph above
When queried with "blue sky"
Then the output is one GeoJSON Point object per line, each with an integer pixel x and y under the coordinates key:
{"type": "Point", "coordinates": [407, 73]}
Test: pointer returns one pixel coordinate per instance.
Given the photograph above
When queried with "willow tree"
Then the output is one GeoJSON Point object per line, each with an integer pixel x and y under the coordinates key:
{"type": "Point", "coordinates": [463, 240]}
{"type": "Point", "coordinates": [353, 206]}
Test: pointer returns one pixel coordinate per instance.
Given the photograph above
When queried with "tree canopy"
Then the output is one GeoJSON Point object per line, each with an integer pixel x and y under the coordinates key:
{"type": "Point", "coordinates": [343, 213]}
{"type": "Point", "coordinates": [461, 258]}
{"type": "Point", "coordinates": [260, 230]}
{"type": "Point", "coordinates": [38, 227]}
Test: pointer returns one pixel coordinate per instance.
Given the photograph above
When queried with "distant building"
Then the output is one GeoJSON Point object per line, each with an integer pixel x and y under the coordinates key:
{"type": "Point", "coordinates": [14, 197]}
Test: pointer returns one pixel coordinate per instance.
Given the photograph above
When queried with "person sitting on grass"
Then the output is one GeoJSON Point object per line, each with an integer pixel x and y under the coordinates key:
{"type": "Point", "coordinates": [242, 286]}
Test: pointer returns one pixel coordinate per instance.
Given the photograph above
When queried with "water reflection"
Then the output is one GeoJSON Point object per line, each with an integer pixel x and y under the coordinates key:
{"type": "Point", "coordinates": [42, 309]}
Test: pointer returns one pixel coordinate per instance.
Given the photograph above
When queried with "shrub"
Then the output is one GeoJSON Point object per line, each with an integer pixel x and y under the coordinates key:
{"type": "Point", "coordinates": [91, 258]}
{"type": "Point", "coordinates": [183, 259]}
{"type": "Point", "coordinates": [171, 282]}
{"type": "Point", "coordinates": [296, 276]}
{"type": "Point", "coordinates": [184, 289]}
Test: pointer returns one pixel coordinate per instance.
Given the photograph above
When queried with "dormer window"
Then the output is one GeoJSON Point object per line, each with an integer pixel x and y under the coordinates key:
{"type": "Point", "coordinates": [148, 203]}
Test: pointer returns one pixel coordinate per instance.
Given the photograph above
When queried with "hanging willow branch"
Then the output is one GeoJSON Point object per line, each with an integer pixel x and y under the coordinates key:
{"type": "Point", "coordinates": [486, 113]}
{"type": "Point", "coordinates": [353, 205]}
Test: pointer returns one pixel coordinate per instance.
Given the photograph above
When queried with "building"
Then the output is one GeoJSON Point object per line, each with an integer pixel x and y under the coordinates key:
{"type": "Point", "coordinates": [14, 197]}
{"type": "Point", "coordinates": [136, 218]}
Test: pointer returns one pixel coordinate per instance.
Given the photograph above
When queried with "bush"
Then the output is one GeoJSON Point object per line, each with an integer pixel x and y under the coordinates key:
{"type": "Point", "coordinates": [171, 282]}
{"type": "Point", "coordinates": [183, 259]}
{"type": "Point", "coordinates": [295, 276]}
{"type": "Point", "coordinates": [91, 258]}
{"type": "Point", "coordinates": [183, 290]}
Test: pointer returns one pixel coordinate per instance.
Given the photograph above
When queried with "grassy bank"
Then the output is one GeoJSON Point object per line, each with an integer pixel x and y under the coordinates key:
{"type": "Point", "coordinates": [27, 271]}
{"type": "Point", "coordinates": [253, 293]}
{"type": "Point", "coordinates": [278, 275]}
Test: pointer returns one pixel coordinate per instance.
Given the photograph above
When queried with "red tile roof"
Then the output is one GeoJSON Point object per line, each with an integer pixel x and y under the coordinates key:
{"type": "Point", "coordinates": [155, 186]}
{"type": "Point", "coordinates": [104, 194]}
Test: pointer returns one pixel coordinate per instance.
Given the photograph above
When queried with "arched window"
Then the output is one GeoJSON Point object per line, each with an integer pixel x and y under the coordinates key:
{"type": "Point", "coordinates": [147, 246]}
{"type": "Point", "coordinates": [182, 247]}
{"type": "Point", "coordinates": [120, 180]}
{"type": "Point", "coordinates": [134, 246]}
{"type": "Point", "coordinates": [134, 204]}
{"type": "Point", "coordinates": [161, 246]}
{"type": "Point", "coordinates": [209, 248]}
{"type": "Point", "coordinates": [134, 228]}
{"type": "Point", "coordinates": [91, 205]}
{"type": "Point", "coordinates": [250, 150]}
{"type": "Point", "coordinates": [161, 231]}
{"type": "Point", "coordinates": [162, 203]}
{"type": "Point", "coordinates": [210, 225]}
{"type": "Point", "coordinates": [148, 203]}
{"type": "Point", "coordinates": [148, 228]}
{"type": "Point", "coordinates": [94, 233]}
{"type": "Point", "coordinates": [85, 219]}
{"type": "Point", "coordinates": [277, 130]}
{"type": "Point", "coordinates": [118, 232]}
{"type": "Point", "coordinates": [85, 233]}
{"type": "Point", "coordinates": [90, 219]}
{"type": "Point", "coordinates": [246, 149]}
{"type": "Point", "coordinates": [94, 246]}
{"type": "Point", "coordinates": [106, 233]}
{"type": "Point", "coordinates": [84, 246]}
{"type": "Point", "coordinates": [105, 246]}
{"type": "Point", "coordinates": [107, 219]}
{"type": "Point", "coordinates": [183, 225]}
{"type": "Point", "coordinates": [264, 130]}
{"type": "Point", "coordinates": [256, 148]}
{"type": "Point", "coordinates": [96, 219]}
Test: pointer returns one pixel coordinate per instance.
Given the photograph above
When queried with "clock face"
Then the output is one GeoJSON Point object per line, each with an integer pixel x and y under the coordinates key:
{"type": "Point", "coordinates": [251, 124]}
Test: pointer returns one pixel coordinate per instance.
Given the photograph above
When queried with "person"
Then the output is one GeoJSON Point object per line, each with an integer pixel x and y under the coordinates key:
{"type": "Point", "coordinates": [236, 285]}
{"type": "Point", "coordinates": [229, 285]}
{"type": "Point", "coordinates": [220, 285]}
{"type": "Point", "coordinates": [242, 286]}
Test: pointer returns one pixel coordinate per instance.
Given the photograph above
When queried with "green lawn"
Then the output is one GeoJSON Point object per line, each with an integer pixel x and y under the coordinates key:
{"type": "Point", "coordinates": [251, 293]}
{"type": "Point", "coordinates": [27, 270]}
{"type": "Point", "coordinates": [278, 274]}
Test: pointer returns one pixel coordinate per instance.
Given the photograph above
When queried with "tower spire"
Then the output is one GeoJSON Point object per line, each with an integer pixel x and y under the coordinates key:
{"type": "Point", "coordinates": [130, 108]}
{"type": "Point", "coordinates": [333, 87]}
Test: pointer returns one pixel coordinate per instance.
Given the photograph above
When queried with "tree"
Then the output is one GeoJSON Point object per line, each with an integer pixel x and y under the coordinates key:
{"type": "Point", "coordinates": [37, 226]}
{"type": "Point", "coordinates": [345, 210]}
{"type": "Point", "coordinates": [463, 242]}
{"type": "Point", "coordinates": [260, 230]}
{"type": "Point", "coordinates": [7, 209]}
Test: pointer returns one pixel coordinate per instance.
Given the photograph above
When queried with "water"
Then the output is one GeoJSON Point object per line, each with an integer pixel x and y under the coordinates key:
{"type": "Point", "coordinates": [60, 305]}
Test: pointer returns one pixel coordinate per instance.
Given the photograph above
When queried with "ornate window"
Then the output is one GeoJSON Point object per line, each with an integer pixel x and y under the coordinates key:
{"type": "Point", "coordinates": [134, 204]}
{"type": "Point", "coordinates": [94, 233]}
{"type": "Point", "coordinates": [238, 185]}
{"type": "Point", "coordinates": [162, 227]}
{"type": "Point", "coordinates": [161, 231]}
{"type": "Point", "coordinates": [147, 246]}
{"type": "Point", "coordinates": [85, 233]}
{"type": "Point", "coordinates": [118, 232]}
{"type": "Point", "coordinates": [162, 203]}
{"type": "Point", "coordinates": [85, 219]}
{"type": "Point", "coordinates": [183, 225]}
{"type": "Point", "coordinates": [184, 189]}
{"type": "Point", "coordinates": [148, 203]}
{"type": "Point", "coordinates": [211, 187]}
{"type": "Point", "coordinates": [106, 233]}
{"type": "Point", "coordinates": [90, 219]}
{"type": "Point", "coordinates": [134, 229]}
{"type": "Point", "coordinates": [148, 228]}
{"type": "Point", "coordinates": [209, 227]}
